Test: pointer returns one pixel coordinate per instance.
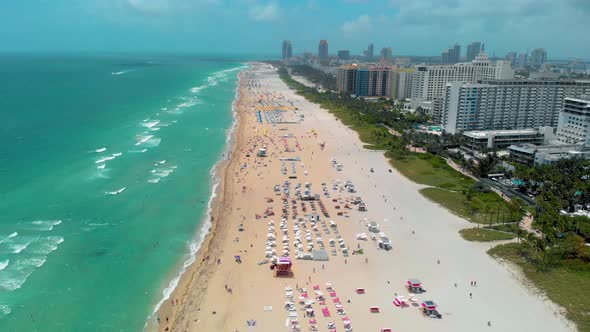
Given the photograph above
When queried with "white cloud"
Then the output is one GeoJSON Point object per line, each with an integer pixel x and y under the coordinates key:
{"type": "Point", "coordinates": [268, 12]}
{"type": "Point", "coordinates": [360, 25]}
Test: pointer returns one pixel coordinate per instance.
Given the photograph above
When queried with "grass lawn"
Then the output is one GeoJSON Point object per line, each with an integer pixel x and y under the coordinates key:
{"type": "Point", "coordinates": [482, 234]}
{"type": "Point", "coordinates": [474, 210]}
{"type": "Point", "coordinates": [431, 170]}
{"type": "Point", "coordinates": [511, 228]}
{"type": "Point", "coordinates": [562, 285]}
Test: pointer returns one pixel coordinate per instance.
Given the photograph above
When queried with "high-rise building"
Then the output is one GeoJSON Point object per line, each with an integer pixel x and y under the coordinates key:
{"type": "Point", "coordinates": [445, 57]}
{"type": "Point", "coordinates": [428, 82]}
{"type": "Point", "coordinates": [386, 54]}
{"type": "Point", "coordinates": [323, 49]}
{"type": "Point", "coordinates": [507, 104]}
{"type": "Point", "coordinates": [473, 50]}
{"type": "Point", "coordinates": [522, 61]}
{"type": "Point", "coordinates": [538, 58]}
{"type": "Point", "coordinates": [451, 55]}
{"type": "Point", "coordinates": [401, 83]}
{"type": "Point", "coordinates": [344, 54]}
{"type": "Point", "coordinates": [374, 81]}
{"type": "Point", "coordinates": [346, 79]}
{"type": "Point", "coordinates": [456, 53]}
{"type": "Point", "coordinates": [511, 56]}
{"type": "Point", "coordinates": [371, 81]}
{"type": "Point", "coordinates": [369, 52]}
{"type": "Point", "coordinates": [574, 121]}
{"type": "Point", "coordinates": [287, 49]}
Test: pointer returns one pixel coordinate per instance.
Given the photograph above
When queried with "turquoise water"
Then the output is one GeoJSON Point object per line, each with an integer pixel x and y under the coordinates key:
{"type": "Point", "coordinates": [104, 182]}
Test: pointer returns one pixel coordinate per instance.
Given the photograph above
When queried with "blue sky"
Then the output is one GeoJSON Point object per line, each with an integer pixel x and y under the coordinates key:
{"type": "Point", "coordinates": [420, 27]}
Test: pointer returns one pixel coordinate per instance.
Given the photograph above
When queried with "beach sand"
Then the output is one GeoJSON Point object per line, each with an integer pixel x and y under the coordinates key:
{"type": "Point", "coordinates": [219, 294]}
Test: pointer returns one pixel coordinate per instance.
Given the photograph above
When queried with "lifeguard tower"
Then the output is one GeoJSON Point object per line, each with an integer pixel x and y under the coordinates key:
{"type": "Point", "coordinates": [283, 268]}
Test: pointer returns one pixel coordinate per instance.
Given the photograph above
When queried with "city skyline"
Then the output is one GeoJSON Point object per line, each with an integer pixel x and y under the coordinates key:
{"type": "Point", "coordinates": [422, 27]}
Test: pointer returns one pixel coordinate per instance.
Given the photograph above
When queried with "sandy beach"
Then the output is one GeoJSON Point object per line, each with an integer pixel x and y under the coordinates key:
{"type": "Point", "coordinates": [307, 145]}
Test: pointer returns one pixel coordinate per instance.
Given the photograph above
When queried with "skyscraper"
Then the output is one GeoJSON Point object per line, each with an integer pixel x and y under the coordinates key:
{"type": "Point", "coordinates": [538, 58]}
{"type": "Point", "coordinates": [451, 55]}
{"type": "Point", "coordinates": [386, 53]}
{"type": "Point", "coordinates": [323, 49]}
{"type": "Point", "coordinates": [522, 60]}
{"type": "Point", "coordinates": [511, 56]}
{"type": "Point", "coordinates": [344, 54]}
{"type": "Point", "coordinates": [369, 52]}
{"type": "Point", "coordinates": [473, 50]}
{"type": "Point", "coordinates": [445, 57]}
{"type": "Point", "coordinates": [287, 49]}
{"type": "Point", "coordinates": [456, 53]}
{"type": "Point", "coordinates": [366, 81]}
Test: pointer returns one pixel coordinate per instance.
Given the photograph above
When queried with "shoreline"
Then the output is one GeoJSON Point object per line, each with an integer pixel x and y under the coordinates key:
{"type": "Point", "coordinates": [424, 235]}
{"type": "Point", "coordinates": [204, 236]}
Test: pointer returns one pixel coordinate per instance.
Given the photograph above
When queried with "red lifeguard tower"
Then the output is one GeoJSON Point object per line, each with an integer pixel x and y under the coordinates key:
{"type": "Point", "coordinates": [283, 268]}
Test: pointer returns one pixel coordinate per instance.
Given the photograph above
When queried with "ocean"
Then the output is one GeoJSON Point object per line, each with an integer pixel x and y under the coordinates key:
{"type": "Point", "coordinates": [105, 180]}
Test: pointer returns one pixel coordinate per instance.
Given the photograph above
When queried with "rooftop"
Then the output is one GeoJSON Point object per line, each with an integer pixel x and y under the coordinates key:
{"type": "Point", "coordinates": [491, 133]}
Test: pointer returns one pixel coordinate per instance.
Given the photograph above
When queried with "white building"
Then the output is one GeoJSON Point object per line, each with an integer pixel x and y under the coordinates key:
{"type": "Point", "coordinates": [428, 82]}
{"type": "Point", "coordinates": [499, 139]}
{"type": "Point", "coordinates": [401, 85]}
{"type": "Point", "coordinates": [546, 154]}
{"type": "Point", "coordinates": [507, 104]}
{"type": "Point", "coordinates": [574, 121]}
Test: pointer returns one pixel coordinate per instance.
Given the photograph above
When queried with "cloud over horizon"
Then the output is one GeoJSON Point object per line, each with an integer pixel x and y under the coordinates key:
{"type": "Point", "coordinates": [420, 27]}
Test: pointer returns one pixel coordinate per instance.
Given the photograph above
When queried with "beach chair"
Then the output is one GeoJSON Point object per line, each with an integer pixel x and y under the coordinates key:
{"type": "Point", "coordinates": [360, 291]}
{"type": "Point", "coordinates": [374, 310]}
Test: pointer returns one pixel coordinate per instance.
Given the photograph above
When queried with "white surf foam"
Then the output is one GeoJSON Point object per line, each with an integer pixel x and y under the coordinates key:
{"type": "Point", "coordinates": [45, 225]}
{"type": "Point", "coordinates": [102, 160]}
{"type": "Point", "coordinates": [118, 154]}
{"type": "Point", "coordinates": [16, 274]}
{"type": "Point", "coordinates": [156, 180]}
{"type": "Point", "coordinates": [100, 150]}
{"type": "Point", "coordinates": [141, 139]}
{"type": "Point", "coordinates": [18, 248]}
{"type": "Point", "coordinates": [116, 192]}
{"type": "Point", "coordinates": [5, 309]}
{"type": "Point", "coordinates": [150, 124]}
{"type": "Point", "coordinates": [46, 245]}
{"type": "Point", "coordinates": [138, 151]}
{"type": "Point", "coordinates": [196, 244]}
{"type": "Point", "coordinates": [122, 72]}
{"type": "Point", "coordinates": [101, 166]}
{"type": "Point", "coordinates": [10, 236]}
{"type": "Point", "coordinates": [4, 264]}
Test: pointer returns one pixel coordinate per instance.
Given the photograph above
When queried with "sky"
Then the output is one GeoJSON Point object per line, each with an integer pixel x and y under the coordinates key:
{"type": "Point", "coordinates": [409, 27]}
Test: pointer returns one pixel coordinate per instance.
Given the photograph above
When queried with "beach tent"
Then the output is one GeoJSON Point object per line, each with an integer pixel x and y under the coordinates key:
{"type": "Point", "coordinates": [429, 309]}
{"type": "Point", "coordinates": [319, 255]}
{"type": "Point", "coordinates": [415, 286]}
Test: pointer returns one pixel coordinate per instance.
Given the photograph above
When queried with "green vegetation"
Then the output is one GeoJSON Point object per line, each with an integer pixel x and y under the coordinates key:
{"type": "Point", "coordinates": [431, 170]}
{"type": "Point", "coordinates": [477, 207]}
{"type": "Point", "coordinates": [483, 234]}
{"type": "Point", "coordinates": [565, 283]}
{"type": "Point", "coordinates": [326, 81]}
